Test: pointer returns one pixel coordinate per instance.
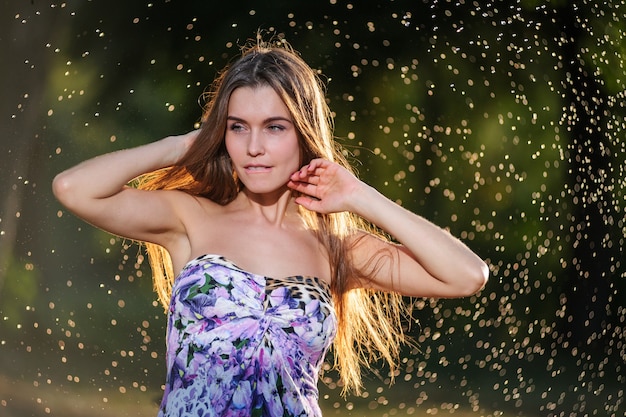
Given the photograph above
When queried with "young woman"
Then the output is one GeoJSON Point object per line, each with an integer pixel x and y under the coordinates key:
{"type": "Point", "coordinates": [261, 247]}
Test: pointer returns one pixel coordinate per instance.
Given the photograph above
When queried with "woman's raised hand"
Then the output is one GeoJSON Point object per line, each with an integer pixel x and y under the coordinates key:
{"type": "Point", "coordinates": [421, 265]}
{"type": "Point", "coordinates": [326, 187]}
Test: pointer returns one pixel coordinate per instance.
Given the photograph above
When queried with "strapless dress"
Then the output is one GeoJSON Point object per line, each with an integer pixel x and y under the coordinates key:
{"type": "Point", "coordinates": [242, 344]}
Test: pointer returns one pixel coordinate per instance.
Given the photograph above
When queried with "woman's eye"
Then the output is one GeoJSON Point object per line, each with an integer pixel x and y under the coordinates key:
{"type": "Point", "coordinates": [276, 128]}
{"type": "Point", "coordinates": [235, 127]}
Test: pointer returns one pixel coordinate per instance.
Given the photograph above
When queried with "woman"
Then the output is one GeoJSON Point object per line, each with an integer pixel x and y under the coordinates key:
{"type": "Point", "coordinates": [258, 237]}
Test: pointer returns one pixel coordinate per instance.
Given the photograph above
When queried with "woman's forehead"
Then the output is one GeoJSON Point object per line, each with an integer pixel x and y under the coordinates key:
{"type": "Point", "coordinates": [259, 101]}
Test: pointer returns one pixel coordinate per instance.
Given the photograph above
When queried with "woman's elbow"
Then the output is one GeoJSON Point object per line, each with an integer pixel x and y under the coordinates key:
{"type": "Point", "coordinates": [62, 189]}
{"type": "Point", "coordinates": [476, 278]}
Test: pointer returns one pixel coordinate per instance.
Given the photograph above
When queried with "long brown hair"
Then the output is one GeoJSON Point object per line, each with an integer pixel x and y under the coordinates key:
{"type": "Point", "coordinates": [369, 322]}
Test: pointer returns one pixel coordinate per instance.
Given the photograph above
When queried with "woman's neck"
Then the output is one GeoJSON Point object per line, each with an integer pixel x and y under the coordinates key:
{"type": "Point", "coordinates": [274, 208]}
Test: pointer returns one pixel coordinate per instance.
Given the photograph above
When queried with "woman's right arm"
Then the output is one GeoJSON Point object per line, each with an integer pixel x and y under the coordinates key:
{"type": "Point", "coordinates": [96, 190]}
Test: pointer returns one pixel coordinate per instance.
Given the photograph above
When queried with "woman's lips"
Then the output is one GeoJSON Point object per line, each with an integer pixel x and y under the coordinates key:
{"type": "Point", "coordinates": [257, 168]}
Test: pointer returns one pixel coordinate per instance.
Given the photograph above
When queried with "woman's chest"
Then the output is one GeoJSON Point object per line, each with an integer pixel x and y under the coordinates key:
{"type": "Point", "coordinates": [267, 251]}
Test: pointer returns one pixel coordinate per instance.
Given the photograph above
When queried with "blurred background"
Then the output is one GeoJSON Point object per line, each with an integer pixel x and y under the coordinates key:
{"type": "Point", "coordinates": [501, 121]}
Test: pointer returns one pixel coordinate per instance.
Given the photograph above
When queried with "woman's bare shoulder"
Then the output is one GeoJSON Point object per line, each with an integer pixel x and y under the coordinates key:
{"type": "Point", "coordinates": [200, 217]}
{"type": "Point", "coordinates": [192, 207]}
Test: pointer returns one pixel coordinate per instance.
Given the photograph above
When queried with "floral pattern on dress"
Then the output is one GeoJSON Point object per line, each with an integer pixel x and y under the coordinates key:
{"type": "Point", "coordinates": [241, 344]}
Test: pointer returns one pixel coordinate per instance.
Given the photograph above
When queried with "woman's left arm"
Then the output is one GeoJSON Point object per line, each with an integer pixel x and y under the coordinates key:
{"type": "Point", "coordinates": [428, 262]}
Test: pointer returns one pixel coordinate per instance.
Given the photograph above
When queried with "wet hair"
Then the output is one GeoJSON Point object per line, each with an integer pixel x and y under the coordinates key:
{"type": "Point", "coordinates": [369, 322]}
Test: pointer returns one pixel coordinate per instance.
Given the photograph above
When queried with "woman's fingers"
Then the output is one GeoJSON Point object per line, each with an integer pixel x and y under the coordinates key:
{"type": "Point", "coordinates": [313, 169]}
{"type": "Point", "coordinates": [303, 187]}
{"type": "Point", "coordinates": [305, 176]}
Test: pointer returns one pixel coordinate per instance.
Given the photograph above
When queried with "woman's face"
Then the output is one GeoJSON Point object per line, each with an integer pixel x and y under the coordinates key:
{"type": "Point", "coordinates": [261, 139]}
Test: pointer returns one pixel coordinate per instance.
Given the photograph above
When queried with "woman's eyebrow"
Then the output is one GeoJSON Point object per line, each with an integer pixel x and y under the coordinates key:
{"type": "Point", "coordinates": [265, 121]}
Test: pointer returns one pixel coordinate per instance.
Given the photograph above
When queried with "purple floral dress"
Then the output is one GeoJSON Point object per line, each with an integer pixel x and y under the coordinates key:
{"type": "Point", "coordinates": [240, 344]}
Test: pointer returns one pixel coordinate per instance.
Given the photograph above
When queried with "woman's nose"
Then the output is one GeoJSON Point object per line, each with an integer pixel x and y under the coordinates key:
{"type": "Point", "coordinates": [255, 144]}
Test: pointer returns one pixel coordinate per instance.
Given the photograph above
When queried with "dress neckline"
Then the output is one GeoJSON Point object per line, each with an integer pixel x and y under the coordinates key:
{"type": "Point", "coordinates": [212, 257]}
